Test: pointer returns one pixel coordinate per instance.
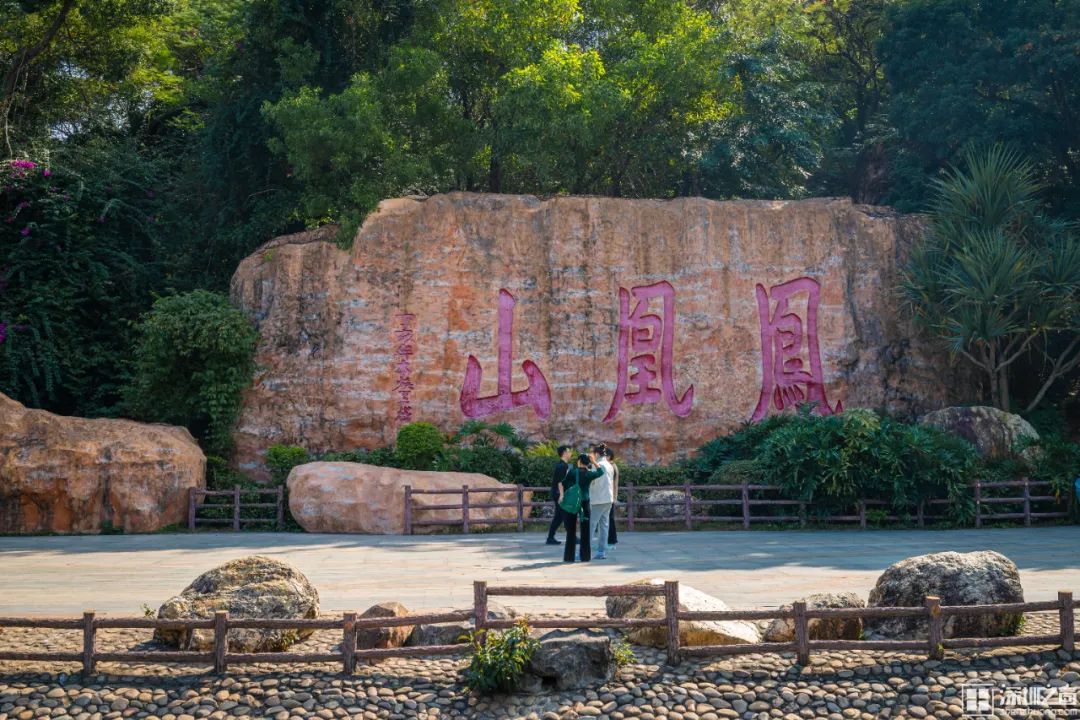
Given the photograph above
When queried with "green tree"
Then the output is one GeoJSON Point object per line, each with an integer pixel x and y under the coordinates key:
{"type": "Point", "coordinates": [193, 358]}
{"type": "Point", "coordinates": [984, 71]}
{"type": "Point", "coordinates": [996, 279]}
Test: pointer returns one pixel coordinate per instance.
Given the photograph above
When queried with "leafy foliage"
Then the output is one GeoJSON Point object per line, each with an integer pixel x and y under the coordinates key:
{"type": "Point", "coordinates": [418, 444]}
{"type": "Point", "coordinates": [193, 358]}
{"type": "Point", "coordinates": [994, 278]}
{"type": "Point", "coordinates": [498, 659]}
{"type": "Point", "coordinates": [281, 459]}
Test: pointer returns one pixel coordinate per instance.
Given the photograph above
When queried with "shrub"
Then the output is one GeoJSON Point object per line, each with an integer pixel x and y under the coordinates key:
{"type": "Point", "coordinates": [499, 658]}
{"type": "Point", "coordinates": [193, 358]}
{"type": "Point", "coordinates": [545, 449]}
{"type": "Point", "coordinates": [652, 475]}
{"type": "Point", "coordinates": [281, 459]}
{"type": "Point", "coordinates": [418, 444]}
{"type": "Point", "coordinates": [743, 444]}
{"type": "Point", "coordinates": [482, 458]}
{"type": "Point", "coordinates": [838, 459]}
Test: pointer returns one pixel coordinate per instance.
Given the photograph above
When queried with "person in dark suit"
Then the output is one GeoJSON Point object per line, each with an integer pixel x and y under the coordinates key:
{"type": "Point", "coordinates": [582, 474]}
{"type": "Point", "coordinates": [561, 468]}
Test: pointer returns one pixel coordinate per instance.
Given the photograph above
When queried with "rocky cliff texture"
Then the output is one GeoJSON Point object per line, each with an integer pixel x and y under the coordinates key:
{"type": "Point", "coordinates": [73, 475]}
{"type": "Point", "coordinates": [651, 325]}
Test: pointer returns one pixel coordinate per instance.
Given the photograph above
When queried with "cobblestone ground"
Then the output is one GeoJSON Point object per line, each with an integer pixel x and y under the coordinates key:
{"type": "Point", "coordinates": [849, 685]}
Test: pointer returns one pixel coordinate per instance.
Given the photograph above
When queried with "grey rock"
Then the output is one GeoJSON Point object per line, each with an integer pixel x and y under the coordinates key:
{"type": "Point", "coordinates": [451, 633]}
{"type": "Point", "coordinates": [976, 578]}
{"type": "Point", "coordinates": [782, 630]}
{"type": "Point", "coordinates": [567, 660]}
{"type": "Point", "coordinates": [995, 433]}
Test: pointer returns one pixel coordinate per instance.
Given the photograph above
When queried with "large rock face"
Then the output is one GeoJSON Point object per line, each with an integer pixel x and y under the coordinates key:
{"type": "Point", "coordinates": [74, 475]}
{"type": "Point", "coordinates": [994, 432]}
{"type": "Point", "coordinates": [976, 578]}
{"type": "Point", "coordinates": [250, 587]}
{"type": "Point", "coordinates": [341, 497]}
{"type": "Point", "coordinates": [696, 632]}
{"type": "Point", "coordinates": [648, 324]}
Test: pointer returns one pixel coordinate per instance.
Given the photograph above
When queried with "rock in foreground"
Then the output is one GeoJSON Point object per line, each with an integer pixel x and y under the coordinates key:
{"type": "Point", "coordinates": [569, 659]}
{"type": "Point", "coordinates": [251, 587]}
{"type": "Point", "coordinates": [452, 633]}
{"type": "Point", "coordinates": [976, 578]}
{"type": "Point", "coordinates": [384, 637]}
{"type": "Point", "coordinates": [341, 497]}
{"type": "Point", "coordinates": [726, 632]}
{"type": "Point", "coordinates": [73, 475]}
{"type": "Point", "coordinates": [783, 630]}
{"type": "Point", "coordinates": [995, 433]}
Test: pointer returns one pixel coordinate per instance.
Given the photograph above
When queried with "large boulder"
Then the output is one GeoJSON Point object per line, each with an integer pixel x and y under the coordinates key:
{"type": "Point", "coordinates": [663, 505]}
{"type": "Point", "coordinates": [976, 578]}
{"type": "Point", "coordinates": [569, 659]}
{"type": "Point", "coordinates": [250, 587]}
{"type": "Point", "coordinates": [341, 497]}
{"type": "Point", "coordinates": [354, 342]}
{"type": "Point", "coordinates": [452, 633]}
{"type": "Point", "coordinates": [697, 632]}
{"type": "Point", "coordinates": [783, 630]}
{"type": "Point", "coordinates": [384, 637]}
{"type": "Point", "coordinates": [995, 433]}
{"type": "Point", "coordinates": [73, 475]}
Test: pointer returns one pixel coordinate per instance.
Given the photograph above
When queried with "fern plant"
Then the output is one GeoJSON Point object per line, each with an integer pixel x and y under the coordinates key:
{"type": "Point", "coordinates": [498, 659]}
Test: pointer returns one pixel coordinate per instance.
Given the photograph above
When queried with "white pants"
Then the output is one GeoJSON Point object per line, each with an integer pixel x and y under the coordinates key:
{"type": "Point", "coordinates": [598, 527]}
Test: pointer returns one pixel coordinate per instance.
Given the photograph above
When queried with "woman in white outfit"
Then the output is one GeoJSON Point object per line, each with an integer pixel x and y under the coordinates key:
{"type": "Point", "coordinates": [601, 496]}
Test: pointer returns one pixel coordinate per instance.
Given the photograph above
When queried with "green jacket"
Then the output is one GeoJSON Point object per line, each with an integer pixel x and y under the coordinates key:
{"type": "Point", "coordinates": [583, 478]}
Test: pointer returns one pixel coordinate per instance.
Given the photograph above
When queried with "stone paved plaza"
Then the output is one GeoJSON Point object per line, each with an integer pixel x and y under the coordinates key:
{"type": "Point", "coordinates": [116, 574]}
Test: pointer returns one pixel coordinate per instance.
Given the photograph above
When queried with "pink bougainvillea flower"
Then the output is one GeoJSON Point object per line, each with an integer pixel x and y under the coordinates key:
{"type": "Point", "coordinates": [46, 172]}
{"type": "Point", "coordinates": [25, 231]}
{"type": "Point", "coordinates": [26, 164]}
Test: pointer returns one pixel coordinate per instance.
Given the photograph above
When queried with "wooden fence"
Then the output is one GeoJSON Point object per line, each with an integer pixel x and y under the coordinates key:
{"type": "Point", "coordinates": [349, 624]}
{"type": "Point", "coordinates": [690, 510]}
{"type": "Point", "coordinates": [197, 500]}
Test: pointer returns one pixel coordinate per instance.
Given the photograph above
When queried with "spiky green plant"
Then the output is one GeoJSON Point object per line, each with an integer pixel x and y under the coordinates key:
{"type": "Point", "coordinates": [993, 277]}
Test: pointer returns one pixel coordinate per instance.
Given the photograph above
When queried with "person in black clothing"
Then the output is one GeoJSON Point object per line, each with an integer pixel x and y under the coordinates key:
{"type": "Point", "coordinates": [561, 468]}
{"type": "Point", "coordinates": [582, 474]}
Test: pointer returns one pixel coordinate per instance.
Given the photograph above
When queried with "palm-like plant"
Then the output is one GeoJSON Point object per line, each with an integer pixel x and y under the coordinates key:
{"type": "Point", "coordinates": [993, 277]}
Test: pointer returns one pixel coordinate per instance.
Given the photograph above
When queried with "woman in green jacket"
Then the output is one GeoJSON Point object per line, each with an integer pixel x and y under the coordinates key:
{"type": "Point", "coordinates": [582, 474]}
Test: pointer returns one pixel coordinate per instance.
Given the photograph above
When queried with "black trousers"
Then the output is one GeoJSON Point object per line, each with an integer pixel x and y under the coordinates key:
{"type": "Point", "coordinates": [575, 540]}
{"type": "Point", "coordinates": [559, 518]}
{"type": "Point", "coordinates": [612, 533]}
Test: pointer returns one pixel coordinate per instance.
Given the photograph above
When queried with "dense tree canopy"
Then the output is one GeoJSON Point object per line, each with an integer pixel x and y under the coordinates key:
{"type": "Point", "coordinates": [178, 135]}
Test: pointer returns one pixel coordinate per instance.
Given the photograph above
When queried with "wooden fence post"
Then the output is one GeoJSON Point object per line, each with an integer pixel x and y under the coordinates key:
{"type": "Point", "coordinates": [221, 640]}
{"type": "Point", "coordinates": [348, 643]}
{"type": "Point", "coordinates": [236, 508]}
{"type": "Point", "coordinates": [978, 504]}
{"type": "Point", "coordinates": [408, 509]}
{"type": "Point", "coordinates": [1065, 618]}
{"type": "Point", "coordinates": [862, 514]}
{"type": "Point", "coordinates": [521, 508]}
{"type": "Point", "coordinates": [802, 633]}
{"type": "Point", "coordinates": [630, 506]}
{"type": "Point", "coordinates": [745, 505]}
{"type": "Point", "coordinates": [688, 507]}
{"type": "Point", "coordinates": [480, 605]}
{"type": "Point", "coordinates": [88, 643]}
{"type": "Point", "coordinates": [281, 508]}
{"type": "Point", "coordinates": [191, 508]}
{"type": "Point", "coordinates": [465, 509]}
{"type": "Point", "coordinates": [671, 614]}
{"type": "Point", "coordinates": [1027, 502]}
{"type": "Point", "coordinates": [936, 631]}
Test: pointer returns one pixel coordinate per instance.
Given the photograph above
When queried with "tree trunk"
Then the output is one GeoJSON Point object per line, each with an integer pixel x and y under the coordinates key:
{"type": "Point", "coordinates": [1003, 392]}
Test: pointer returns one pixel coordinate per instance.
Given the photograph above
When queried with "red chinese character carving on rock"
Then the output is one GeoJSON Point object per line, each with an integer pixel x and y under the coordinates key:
{"type": "Point", "coordinates": [651, 338]}
{"type": "Point", "coordinates": [537, 394]}
{"type": "Point", "coordinates": [784, 377]}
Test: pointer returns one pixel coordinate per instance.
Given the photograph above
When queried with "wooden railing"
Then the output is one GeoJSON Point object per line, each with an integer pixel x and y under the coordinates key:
{"type": "Point", "coordinates": [219, 656]}
{"type": "Point", "coordinates": [197, 501]}
{"type": "Point", "coordinates": [635, 510]}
